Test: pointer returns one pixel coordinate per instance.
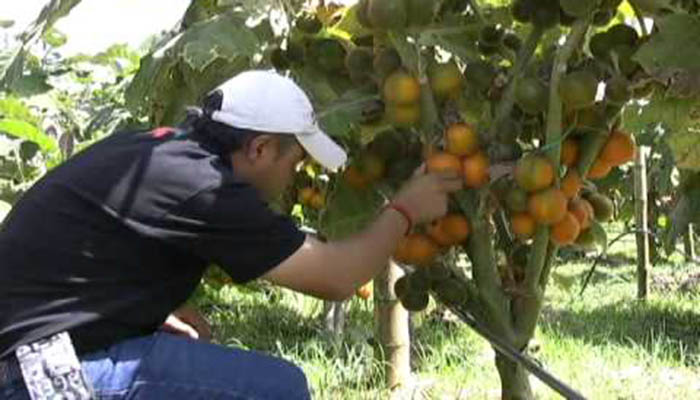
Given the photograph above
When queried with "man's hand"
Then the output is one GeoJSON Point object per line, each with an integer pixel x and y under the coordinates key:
{"type": "Point", "coordinates": [426, 195]}
{"type": "Point", "coordinates": [187, 321]}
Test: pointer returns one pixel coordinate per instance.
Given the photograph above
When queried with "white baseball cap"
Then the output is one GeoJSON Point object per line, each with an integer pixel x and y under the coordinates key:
{"type": "Point", "coordinates": [265, 101]}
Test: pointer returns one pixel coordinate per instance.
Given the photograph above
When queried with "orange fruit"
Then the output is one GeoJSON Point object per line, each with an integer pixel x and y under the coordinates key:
{"type": "Point", "coordinates": [364, 291]}
{"type": "Point", "coordinates": [571, 184]}
{"type": "Point", "coordinates": [416, 249]}
{"type": "Point", "coordinates": [569, 152]}
{"type": "Point", "coordinates": [461, 140]}
{"type": "Point", "coordinates": [305, 194]}
{"type": "Point", "coordinates": [565, 231]}
{"type": "Point", "coordinates": [548, 206]}
{"type": "Point", "coordinates": [580, 210]}
{"type": "Point", "coordinates": [449, 230]}
{"type": "Point", "coordinates": [400, 88]}
{"type": "Point", "coordinates": [523, 225]}
{"type": "Point", "coordinates": [354, 178]}
{"type": "Point", "coordinates": [441, 162]}
{"type": "Point", "coordinates": [533, 173]}
{"type": "Point", "coordinates": [476, 170]}
{"type": "Point", "coordinates": [589, 208]}
{"type": "Point", "coordinates": [403, 115]}
{"type": "Point", "coordinates": [619, 149]}
{"type": "Point", "coordinates": [599, 170]}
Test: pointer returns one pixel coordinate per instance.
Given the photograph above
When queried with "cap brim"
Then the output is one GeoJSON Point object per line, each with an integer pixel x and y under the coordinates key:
{"type": "Point", "coordinates": [323, 149]}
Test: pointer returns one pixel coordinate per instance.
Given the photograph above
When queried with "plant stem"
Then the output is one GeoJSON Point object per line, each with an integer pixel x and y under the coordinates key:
{"type": "Point", "coordinates": [527, 307]}
{"type": "Point", "coordinates": [505, 106]}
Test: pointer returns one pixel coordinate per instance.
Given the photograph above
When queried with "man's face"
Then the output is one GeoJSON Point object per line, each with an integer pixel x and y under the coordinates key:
{"type": "Point", "coordinates": [280, 174]}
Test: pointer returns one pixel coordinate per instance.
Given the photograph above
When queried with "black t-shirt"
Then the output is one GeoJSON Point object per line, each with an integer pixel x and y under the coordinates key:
{"type": "Point", "coordinates": [110, 242]}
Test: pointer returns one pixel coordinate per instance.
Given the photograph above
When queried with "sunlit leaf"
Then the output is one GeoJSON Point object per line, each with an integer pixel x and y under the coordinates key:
{"type": "Point", "coordinates": [25, 130]}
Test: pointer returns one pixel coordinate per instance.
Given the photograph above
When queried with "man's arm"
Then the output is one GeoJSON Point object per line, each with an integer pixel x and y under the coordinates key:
{"type": "Point", "coordinates": [334, 270]}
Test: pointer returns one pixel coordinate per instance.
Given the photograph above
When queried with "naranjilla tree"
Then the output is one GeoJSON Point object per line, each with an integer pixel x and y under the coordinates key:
{"type": "Point", "coordinates": [533, 102]}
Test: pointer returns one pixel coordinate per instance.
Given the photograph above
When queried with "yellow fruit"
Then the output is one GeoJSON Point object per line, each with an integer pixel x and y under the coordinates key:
{"type": "Point", "coordinates": [400, 88]}
{"type": "Point", "coordinates": [443, 163]}
{"type": "Point", "coordinates": [548, 206]}
{"type": "Point", "coordinates": [619, 149]}
{"type": "Point", "coordinates": [416, 249]}
{"type": "Point", "coordinates": [476, 170]}
{"type": "Point", "coordinates": [523, 225]}
{"type": "Point", "coordinates": [461, 140]}
{"type": "Point", "coordinates": [565, 231]}
{"type": "Point", "coordinates": [533, 173]}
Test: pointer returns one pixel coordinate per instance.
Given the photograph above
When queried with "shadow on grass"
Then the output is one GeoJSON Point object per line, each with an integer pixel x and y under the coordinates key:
{"type": "Point", "coordinates": [656, 328]}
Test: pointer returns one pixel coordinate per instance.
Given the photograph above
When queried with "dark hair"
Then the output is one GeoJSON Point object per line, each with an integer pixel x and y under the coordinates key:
{"type": "Point", "coordinates": [221, 138]}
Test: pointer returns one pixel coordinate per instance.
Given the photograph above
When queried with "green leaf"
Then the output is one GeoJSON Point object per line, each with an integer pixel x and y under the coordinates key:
{"type": "Point", "coordinates": [52, 12]}
{"type": "Point", "coordinates": [55, 38]}
{"type": "Point", "coordinates": [348, 211]}
{"type": "Point", "coordinates": [13, 108]}
{"type": "Point", "coordinates": [674, 52]}
{"type": "Point", "coordinates": [192, 63]}
{"type": "Point", "coordinates": [6, 23]}
{"type": "Point", "coordinates": [25, 130]}
{"type": "Point", "coordinates": [4, 210]}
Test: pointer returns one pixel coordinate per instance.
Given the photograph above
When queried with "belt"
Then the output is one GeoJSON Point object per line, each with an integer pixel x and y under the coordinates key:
{"type": "Point", "coordinates": [9, 370]}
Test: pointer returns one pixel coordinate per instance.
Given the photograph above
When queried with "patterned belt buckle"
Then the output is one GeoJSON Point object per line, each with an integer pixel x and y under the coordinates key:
{"type": "Point", "coordinates": [51, 370]}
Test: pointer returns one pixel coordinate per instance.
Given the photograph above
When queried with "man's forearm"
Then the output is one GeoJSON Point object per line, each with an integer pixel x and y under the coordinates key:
{"type": "Point", "coordinates": [359, 258]}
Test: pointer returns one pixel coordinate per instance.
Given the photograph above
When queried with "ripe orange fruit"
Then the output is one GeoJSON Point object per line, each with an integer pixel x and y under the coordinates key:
{"type": "Point", "coordinates": [416, 249]}
{"type": "Point", "coordinates": [523, 225]}
{"type": "Point", "coordinates": [354, 178]}
{"type": "Point", "coordinates": [599, 170]}
{"type": "Point", "coordinates": [404, 115]}
{"type": "Point", "coordinates": [548, 206]}
{"type": "Point", "coordinates": [441, 162]}
{"type": "Point", "coordinates": [565, 231]}
{"type": "Point", "coordinates": [619, 149]}
{"type": "Point", "coordinates": [400, 88]}
{"type": "Point", "coordinates": [579, 209]}
{"type": "Point", "coordinates": [476, 170]}
{"type": "Point", "coordinates": [364, 291]}
{"type": "Point", "coordinates": [318, 200]}
{"type": "Point", "coordinates": [305, 194]}
{"type": "Point", "coordinates": [461, 140]}
{"type": "Point", "coordinates": [569, 152]}
{"type": "Point", "coordinates": [449, 230]}
{"type": "Point", "coordinates": [571, 184]}
{"type": "Point", "coordinates": [533, 173]}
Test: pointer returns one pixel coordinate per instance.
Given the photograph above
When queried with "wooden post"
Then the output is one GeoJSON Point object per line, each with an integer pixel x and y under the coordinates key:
{"type": "Point", "coordinates": [689, 244]}
{"type": "Point", "coordinates": [391, 322]}
{"type": "Point", "coordinates": [642, 223]}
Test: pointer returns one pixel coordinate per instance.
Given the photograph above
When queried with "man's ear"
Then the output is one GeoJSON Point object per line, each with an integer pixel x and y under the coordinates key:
{"type": "Point", "coordinates": [261, 146]}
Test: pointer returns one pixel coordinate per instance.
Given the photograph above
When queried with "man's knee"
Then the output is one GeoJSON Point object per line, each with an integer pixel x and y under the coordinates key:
{"type": "Point", "coordinates": [292, 382]}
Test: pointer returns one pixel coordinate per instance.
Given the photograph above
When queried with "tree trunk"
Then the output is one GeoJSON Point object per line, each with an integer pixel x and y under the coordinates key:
{"type": "Point", "coordinates": [515, 384]}
{"type": "Point", "coordinates": [689, 244]}
{"type": "Point", "coordinates": [334, 317]}
{"type": "Point", "coordinates": [392, 328]}
{"type": "Point", "coordinates": [642, 223]}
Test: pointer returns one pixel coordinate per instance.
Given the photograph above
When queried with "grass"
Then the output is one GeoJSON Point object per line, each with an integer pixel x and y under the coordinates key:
{"type": "Point", "coordinates": [606, 344]}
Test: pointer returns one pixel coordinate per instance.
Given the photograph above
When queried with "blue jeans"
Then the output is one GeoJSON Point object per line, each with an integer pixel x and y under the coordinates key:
{"type": "Point", "coordinates": [165, 366]}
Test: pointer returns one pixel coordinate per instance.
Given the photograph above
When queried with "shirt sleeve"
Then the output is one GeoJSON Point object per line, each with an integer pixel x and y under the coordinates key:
{"type": "Point", "coordinates": [233, 228]}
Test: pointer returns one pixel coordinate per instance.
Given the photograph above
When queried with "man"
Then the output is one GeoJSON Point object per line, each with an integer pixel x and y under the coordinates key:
{"type": "Point", "coordinates": [108, 244]}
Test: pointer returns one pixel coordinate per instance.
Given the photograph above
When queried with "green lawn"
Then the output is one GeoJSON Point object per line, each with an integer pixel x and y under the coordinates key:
{"type": "Point", "coordinates": [606, 344]}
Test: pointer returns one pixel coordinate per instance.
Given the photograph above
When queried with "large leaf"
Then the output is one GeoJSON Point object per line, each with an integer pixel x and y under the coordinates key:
{"type": "Point", "coordinates": [25, 130]}
{"type": "Point", "coordinates": [190, 64]}
{"type": "Point", "coordinates": [681, 117]}
{"type": "Point", "coordinates": [673, 54]}
{"type": "Point", "coordinates": [348, 211]}
{"type": "Point", "coordinates": [48, 16]}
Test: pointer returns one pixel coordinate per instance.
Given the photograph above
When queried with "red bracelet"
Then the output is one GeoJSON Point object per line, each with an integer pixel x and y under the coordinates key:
{"type": "Point", "coordinates": [403, 211]}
